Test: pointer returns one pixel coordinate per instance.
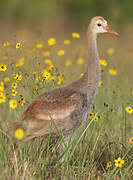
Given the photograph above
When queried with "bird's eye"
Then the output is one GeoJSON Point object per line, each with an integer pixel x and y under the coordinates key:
{"type": "Point", "coordinates": [99, 24]}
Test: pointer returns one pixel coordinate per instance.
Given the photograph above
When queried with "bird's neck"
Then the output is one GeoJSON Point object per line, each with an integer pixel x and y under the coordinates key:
{"type": "Point", "coordinates": [91, 76]}
{"type": "Point", "coordinates": [93, 56]}
{"type": "Point", "coordinates": [89, 82]}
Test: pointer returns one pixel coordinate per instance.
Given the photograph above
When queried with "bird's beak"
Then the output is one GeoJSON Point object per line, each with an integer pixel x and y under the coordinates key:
{"type": "Point", "coordinates": [110, 31]}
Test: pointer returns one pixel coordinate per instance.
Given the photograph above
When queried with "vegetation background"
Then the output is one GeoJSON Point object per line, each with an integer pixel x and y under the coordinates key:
{"type": "Point", "coordinates": [76, 12]}
{"type": "Point", "coordinates": [109, 134]}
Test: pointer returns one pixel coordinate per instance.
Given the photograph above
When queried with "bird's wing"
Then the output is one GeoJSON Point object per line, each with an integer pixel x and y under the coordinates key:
{"type": "Point", "coordinates": [57, 105]}
{"type": "Point", "coordinates": [53, 104]}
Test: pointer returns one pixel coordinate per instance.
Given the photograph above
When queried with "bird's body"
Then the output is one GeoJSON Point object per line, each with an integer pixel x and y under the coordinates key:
{"type": "Point", "coordinates": [66, 108]}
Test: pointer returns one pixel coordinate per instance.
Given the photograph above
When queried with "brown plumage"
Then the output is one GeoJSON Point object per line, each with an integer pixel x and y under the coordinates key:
{"type": "Point", "coordinates": [68, 106]}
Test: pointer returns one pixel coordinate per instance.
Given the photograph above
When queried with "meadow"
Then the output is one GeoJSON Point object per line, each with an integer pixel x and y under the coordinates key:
{"type": "Point", "coordinates": [103, 149]}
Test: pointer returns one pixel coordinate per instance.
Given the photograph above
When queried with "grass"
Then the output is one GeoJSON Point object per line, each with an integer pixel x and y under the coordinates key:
{"type": "Point", "coordinates": [95, 144]}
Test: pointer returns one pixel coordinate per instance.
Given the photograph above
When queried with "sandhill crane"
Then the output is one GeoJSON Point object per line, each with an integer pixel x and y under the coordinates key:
{"type": "Point", "coordinates": [68, 106]}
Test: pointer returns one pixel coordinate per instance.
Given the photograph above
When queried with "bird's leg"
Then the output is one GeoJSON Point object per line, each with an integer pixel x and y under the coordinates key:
{"type": "Point", "coordinates": [65, 148]}
{"type": "Point", "coordinates": [14, 158]}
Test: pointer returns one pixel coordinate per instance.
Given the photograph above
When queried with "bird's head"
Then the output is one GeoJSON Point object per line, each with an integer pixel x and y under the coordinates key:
{"type": "Point", "coordinates": [99, 25]}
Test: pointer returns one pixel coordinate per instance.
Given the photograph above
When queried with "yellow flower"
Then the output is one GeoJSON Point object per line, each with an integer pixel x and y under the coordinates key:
{"type": "Point", "coordinates": [53, 78]}
{"type": "Point", "coordinates": [48, 61]}
{"type": "Point", "coordinates": [131, 140]}
{"type": "Point", "coordinates": [67, 42]}
{"type": "Point", "coordinates": [6, 79]}
{"type": "Point", "coordinates": [18, 77]}
{"type": "Point", "coordinates": [112, 72]}
{"type": "Point", "coordinates": [20, 62]}
{"type": "Point", "coordinates": [39, 46]}
{"type": "Point", "coordinates": [59, 82]}
{"type": "Point", "coordinates": [50, 67]}
{"type": "Point", "coordinates": [14, 93]}
{"type": "Point", "coordinates": [96, 119]}
{"type": "Point", "coordinates": [2, 97]}
{"type": "Point", "coordinates": [3, 67]}
{"type": "Point", "coordinates": [6, 44]}
{"type": "Point", "coordinates": [23, 102]}
{"type": "Point", "coordinates": [80, 61]}
{"type": "Point", "coordinates": [46, 74]}
{"type": "Point", "coordinates": [81, 75]}
{"type": "Point", "coordinates": [91, 115]}
{"type": "Point", "coordinates": [75, 35]}
{"type": "Point", "coordinates": [46, 53]}
{"type": "Point", "coordinates": [17, 45]}
{"type": "Point", "coordinates": [129, 110]}
{"type": "Point", "coordinates": [2, 86]}
{"type": "Point", "coordinates": [103, 62]}
{"type": "Point", "coordinates": [13, 103]}
{"type": "Point", "coordinates": [119, 162]}
{"type": "Point", "coordinates": [68, 63]}
{"type": "Point", "coordinates": [34, 73]}
{"type": "Point", "coordinates": [59, 79]}
{"type": "Point", "coordinates": [38, 78]}
{"type": "Point", "coordinates": [51, 41]}
{"type": "Point", "coordinates": [19, 133]}
{"type": "Point", "coordinates": [60, 75]}
{"type": "Point", "coordinates": [110, 51]}
{"type": "Point", "coordinates": [109, 164]}
{"type": "Point", "coordinates": [61, 52]}
{"type": "Point", "coordinates": [100, 83]}
{"type": "Point", "coordinates": [14, 85]}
